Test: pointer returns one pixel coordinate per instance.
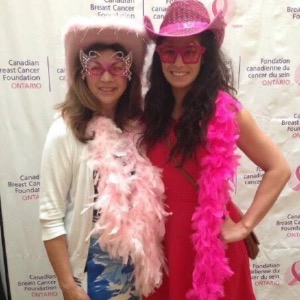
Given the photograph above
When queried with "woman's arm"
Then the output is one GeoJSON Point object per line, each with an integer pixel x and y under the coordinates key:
{"type": "Point", "coordinates": [265, 154]}
{"type": "Point", "coordinates": [59, 258]}
{"type": "Point", "coordinates": [56, 180]}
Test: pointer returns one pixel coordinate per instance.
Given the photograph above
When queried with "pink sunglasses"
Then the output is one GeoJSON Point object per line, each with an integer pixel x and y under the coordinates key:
{"type": "Point", "coordinates": [92, 67]}
{"type": "Point", "coordinates": [190, 54]}
{"type": "Point", "coordinates": [95, 68]}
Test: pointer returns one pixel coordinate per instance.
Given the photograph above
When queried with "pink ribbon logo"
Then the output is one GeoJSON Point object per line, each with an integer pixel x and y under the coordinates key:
{"type": "Point", "coordinates": [295, 273]}
{"type": "Point", "coordinates": [227, 6]}
{"type": "Point", "coordinates": [294, 182]}
{"type": "Point", "coordinates": [297, 75]}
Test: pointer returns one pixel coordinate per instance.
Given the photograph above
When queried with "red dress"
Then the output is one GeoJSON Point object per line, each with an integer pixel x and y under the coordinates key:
{"type": "Point", "coordinates": [181, 200]}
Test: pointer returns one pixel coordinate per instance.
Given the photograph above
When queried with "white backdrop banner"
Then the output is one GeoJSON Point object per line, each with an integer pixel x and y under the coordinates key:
{"type": "Point", "coordinates": [262, 43]}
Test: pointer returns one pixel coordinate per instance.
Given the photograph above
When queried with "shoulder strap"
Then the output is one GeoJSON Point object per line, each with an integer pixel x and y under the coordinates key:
{"type": "Point", "coordinates": [187, 176]}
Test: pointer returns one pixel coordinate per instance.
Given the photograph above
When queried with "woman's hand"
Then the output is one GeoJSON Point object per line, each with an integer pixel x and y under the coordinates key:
{"type": "Point", "coordinates": [75, 293]}
{"type": "Point", "coordinates": [57, 251]}
{"type": "Point", "coordinates": [233, 232]}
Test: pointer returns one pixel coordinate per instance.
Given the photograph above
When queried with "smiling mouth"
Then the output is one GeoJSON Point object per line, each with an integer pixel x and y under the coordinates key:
{"type": "Point", "coordinates": [107, 89]}
{"type": "Point", "coordinates": [179, 74]}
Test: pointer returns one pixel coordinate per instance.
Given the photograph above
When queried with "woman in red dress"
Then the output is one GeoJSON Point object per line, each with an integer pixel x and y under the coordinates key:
{"type": "Point", "coordinates": [193, 125]}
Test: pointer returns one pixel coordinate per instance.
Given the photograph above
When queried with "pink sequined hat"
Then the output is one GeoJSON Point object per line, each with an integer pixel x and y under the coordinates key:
{"type": "Point", "coordinates": [185, 18]}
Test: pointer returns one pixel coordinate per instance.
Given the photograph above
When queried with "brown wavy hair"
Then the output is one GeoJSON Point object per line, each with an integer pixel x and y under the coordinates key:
{"type": "Point", "coordinates": [80, 105]}
{"type": "Point", "coordinates": [198, 104]}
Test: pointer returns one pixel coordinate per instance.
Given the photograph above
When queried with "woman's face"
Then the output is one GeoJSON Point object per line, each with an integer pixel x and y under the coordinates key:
{"type": "Point", "coordinates": [181, 61]}
{"type": "Point", "coordinates": [106, 78]}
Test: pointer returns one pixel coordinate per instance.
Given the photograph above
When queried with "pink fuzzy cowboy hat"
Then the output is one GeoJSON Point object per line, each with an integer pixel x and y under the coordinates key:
{"type": "Point", "coordinates": [186, 18]}
{"type": "Point", "coordinates": [82, 32]}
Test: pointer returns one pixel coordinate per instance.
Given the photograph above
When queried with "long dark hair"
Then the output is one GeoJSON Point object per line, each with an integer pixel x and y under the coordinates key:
{"type": "Point", "coordinates": [80, 104]}
{"type": "Point", "coordinates": [198, 105]}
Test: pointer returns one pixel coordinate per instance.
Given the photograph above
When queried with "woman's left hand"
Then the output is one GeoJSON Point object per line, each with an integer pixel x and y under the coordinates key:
{"type": "Point", "coordinates": [232, 232]}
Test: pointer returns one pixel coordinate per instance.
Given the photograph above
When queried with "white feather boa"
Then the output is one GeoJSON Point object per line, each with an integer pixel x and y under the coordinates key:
{"type": "Point", "coordinates": [130, 201]}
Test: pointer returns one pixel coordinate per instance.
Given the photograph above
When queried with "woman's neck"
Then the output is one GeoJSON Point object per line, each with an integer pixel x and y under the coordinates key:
{"type": "Point", "coordinates": [179, 95]}
{"type": "Point", "coordinates": [107, 112]}
{"type": "Point", "coordinates": [177, 111]}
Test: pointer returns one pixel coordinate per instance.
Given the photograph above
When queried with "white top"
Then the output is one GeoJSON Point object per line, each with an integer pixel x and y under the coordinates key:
{"type": "Point", "coordinates": [66, 189]}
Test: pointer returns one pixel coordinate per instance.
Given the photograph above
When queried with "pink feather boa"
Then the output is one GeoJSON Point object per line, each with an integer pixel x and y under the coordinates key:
{"type": "Point", "coordinates": [130, 201]}
{"type": "Point", "coordinates": [218, 169]}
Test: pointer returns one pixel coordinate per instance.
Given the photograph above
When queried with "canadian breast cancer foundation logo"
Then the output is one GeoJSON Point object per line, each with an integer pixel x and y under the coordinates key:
{"type": "Point", "coordinates": [297, 75]}
{"type": "Point", "coordinates": [227, 6]}
{"type": "Point", "coordinates": [294, 182]}
{"type": "Point", "coordinates": [292, 274]}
